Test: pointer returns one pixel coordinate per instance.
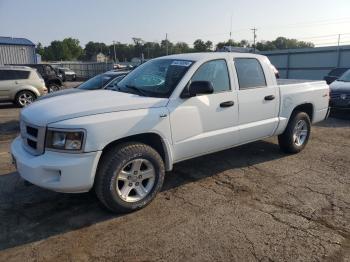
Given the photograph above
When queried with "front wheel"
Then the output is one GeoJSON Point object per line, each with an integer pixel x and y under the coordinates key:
{"type": "Point", "coordinates": [129, 177]}
{"type": "Point", "coordinates": [297, 133]}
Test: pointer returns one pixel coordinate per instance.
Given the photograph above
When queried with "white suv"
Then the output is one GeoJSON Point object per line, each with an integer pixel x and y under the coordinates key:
{"type": "Point", "coordinates": [20, 84]}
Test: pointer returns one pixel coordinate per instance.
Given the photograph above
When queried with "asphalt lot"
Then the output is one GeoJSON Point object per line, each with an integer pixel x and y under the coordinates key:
{"type": "Point", "coordinates": [251, 203]}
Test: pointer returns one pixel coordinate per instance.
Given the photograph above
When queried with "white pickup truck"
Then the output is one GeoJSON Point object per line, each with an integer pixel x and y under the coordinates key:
{"type": "Point", "coordinates": [121, 141]}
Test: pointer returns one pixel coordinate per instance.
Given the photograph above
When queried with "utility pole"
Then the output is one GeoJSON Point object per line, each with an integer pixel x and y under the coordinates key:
{"type": "Point", "coordinates": [231, 29]}
{"type": "Point", "coordinates": [166, 42]}
{"type": "Point", "coordinates": [115, 55]}
{"type": "Point", "coordinates": [254, 36]}
{"type": "Point", "coordinates": [338, 51]}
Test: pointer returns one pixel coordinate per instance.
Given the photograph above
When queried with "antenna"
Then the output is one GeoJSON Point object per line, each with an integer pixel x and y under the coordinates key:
{"type": "Point", "coordinates": [254, 36]}
{"type": "Point", "coordinates": [166, 39]}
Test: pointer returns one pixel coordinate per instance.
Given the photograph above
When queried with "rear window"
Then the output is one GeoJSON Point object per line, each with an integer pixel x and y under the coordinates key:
{"type": "Point", "coordinates": [13, 74]}
{"type": "Point", "coordinates": [96, 82]}
{"type": "Point", "coordinates": [250, 73]}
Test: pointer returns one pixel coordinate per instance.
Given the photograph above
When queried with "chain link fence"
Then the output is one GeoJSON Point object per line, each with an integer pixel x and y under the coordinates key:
{"type": "Point", "coordinates": [86, 70]}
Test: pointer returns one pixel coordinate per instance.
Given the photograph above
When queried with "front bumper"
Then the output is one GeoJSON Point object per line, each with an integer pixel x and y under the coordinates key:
{"type": "Point", "coordinates": [61, 172]}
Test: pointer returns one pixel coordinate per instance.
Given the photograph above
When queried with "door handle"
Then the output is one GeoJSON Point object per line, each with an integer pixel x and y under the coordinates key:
{"type": "Point", "coordinates": [227, 104]}
{"type": "Point", "coordinates": [270, 97]}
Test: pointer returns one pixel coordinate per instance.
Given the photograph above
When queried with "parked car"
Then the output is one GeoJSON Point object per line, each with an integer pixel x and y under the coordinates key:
{"type": "Point", "coordinates": [121, 141]}
{"type": "Point", "coordinates": [340, 92]}
{"type": "Point", "coordinates": [334, 74]}
{"type": "Point", "coordinates": [52, 80]}
{"type": "Point", "coordinates": [20, 84]}
{"type": "Point", "coordinates": [102, 81]}
{"type": "Point", "coordinates": [67, 74]}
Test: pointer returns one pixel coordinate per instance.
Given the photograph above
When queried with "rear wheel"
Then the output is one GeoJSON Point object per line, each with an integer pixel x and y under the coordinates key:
{"type": "Point", "coordinates": [129, 177]}
{"type": "Point", "coordinates": [53, 88]}
{"type": "Point", "coordinates": [24, 98]}
{"type": "Point", "coordinates": [297, 133]}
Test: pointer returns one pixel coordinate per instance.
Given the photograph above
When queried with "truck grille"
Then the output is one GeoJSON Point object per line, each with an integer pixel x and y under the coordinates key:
{"type": "Point", "coordinates": [33, 138]}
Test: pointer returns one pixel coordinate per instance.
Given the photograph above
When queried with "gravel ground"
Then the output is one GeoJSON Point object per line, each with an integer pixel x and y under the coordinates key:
{"type": "Point", "coordinates": [250, 203]}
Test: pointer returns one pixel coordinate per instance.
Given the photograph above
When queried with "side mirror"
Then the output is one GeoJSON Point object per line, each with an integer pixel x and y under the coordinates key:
{"type": "Point", "coordinates": [197, 88]}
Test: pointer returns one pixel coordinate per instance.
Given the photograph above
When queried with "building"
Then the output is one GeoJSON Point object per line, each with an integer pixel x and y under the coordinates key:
{"type": "Point", "coordinates": [309, 63]}
{"type": "Point", "coordinates": [100, 58]}
{"type": "Point", "coordinates": [17, 51]}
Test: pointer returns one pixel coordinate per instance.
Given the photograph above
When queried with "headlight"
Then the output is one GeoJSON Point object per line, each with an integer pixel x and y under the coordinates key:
{"type": "Point", "coordinates": [68, 140]}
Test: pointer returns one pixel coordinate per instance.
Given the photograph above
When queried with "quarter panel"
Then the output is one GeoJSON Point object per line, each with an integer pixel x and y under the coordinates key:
{"type": "Point", "coordinates": [103, 129]}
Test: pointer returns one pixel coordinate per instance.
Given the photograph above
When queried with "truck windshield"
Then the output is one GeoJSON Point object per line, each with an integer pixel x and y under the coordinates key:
{"type": "Point", "coordinates": [345, 77]}
{"type": "Point", "coordinates": [156, 78]}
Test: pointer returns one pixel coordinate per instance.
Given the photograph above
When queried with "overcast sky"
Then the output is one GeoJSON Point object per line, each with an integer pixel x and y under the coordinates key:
{"type": "Point", "coordinates": [184, 20]}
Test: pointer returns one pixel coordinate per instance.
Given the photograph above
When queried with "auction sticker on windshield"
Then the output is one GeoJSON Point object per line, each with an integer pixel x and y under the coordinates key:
{"type": "Point", "coordinates": [181, 63]}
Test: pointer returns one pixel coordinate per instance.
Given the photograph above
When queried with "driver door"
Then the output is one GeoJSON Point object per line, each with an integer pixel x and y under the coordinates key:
{"type": "Point", "coordinates": [205, 123]}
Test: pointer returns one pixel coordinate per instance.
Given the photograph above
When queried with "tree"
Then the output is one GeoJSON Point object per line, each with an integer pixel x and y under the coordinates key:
{"type": "Point", "coordinates": [68, 49]}
{"type": "Point", "coordinates": [39, 49]}
{"type": "Point", "coordinates": [72, 48]}
{"type": "Point", "coordinates": [200, 46]}
{"type": "Point", "coordinates": [181, 47]}
{"type": "Point", "coordinates": [166, 46]}
{"type": "Point", "coordinates": [231, 42]}
{"type": "Point", "coordinates": [208, 45]}
{"type": "Point", "coordinates": [93, 48]}
{"type": "Point", "coordinates": [282, 43]}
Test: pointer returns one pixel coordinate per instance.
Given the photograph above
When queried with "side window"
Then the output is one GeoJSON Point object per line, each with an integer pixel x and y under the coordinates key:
{"type": "Point", "coordinates": [250, 73]}
{"type": "Point", "coordinates": [215, 72]}
{"type": "Point", "coordinates": [8, 75]}
{"type": "Point", "coordinates": [22, 74]}
{"type": "Point", "coordinates": [114, 83]}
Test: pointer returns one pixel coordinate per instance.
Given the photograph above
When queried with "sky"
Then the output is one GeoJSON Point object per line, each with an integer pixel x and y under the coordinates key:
{"type": "Point", "coordinates": [319, 21]}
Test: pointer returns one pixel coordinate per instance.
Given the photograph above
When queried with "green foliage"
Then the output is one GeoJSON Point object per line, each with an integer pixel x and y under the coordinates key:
{"type": "Point", "coordinates": [282, 43]}
{"type": "Point", "coordinates": [39, 49]}
{"type": "Point", "coordinates": [200, 46]}
{"type": "Point", "coordinates": [69, 48]}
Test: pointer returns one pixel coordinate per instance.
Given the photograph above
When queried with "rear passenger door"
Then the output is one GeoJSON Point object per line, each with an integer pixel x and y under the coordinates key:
{"type": "Point", "coordinates": [258, 101]}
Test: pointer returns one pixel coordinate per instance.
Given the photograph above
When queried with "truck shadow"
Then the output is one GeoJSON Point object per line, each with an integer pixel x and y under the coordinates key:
{"type": "Point", "coordinates": [29, 213]}
{"type": "Point", "coordinates": [4, 105]}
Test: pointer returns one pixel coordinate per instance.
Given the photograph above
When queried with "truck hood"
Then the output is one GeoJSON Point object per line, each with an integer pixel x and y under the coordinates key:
{"type": "Point", "coordinates": [62, 92]}
{"type": "Point", "coordinates": [80, 104]}
{"type": "Point", "coordinates": [339, 86]}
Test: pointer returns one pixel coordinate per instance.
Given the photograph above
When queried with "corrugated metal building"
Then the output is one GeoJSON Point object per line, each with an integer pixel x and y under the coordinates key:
{"type": "Point", "coordinates": [17, 51]}
{"type": "Point", "coordinates": [309, 63]}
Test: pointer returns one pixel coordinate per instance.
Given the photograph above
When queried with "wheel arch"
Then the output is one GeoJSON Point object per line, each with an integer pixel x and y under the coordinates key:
{"type": "Point", "coordinates": [26, 88]}
{"type": "Point", "coordinates": [154, 140]}
{"type": "Point", "coordinates": [308, 108]}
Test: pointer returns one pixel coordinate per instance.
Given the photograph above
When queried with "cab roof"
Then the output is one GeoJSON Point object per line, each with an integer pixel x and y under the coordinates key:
{"type": "Point", "coordinates": [209, 56]}
{"type": "Point", "coordinates": [8, 67]}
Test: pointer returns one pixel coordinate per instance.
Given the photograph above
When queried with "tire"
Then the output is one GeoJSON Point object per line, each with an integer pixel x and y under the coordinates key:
{"type": "Point", "coordinates": [24, 98]}
{"type": "Point", "coordinates": [297, 133]}
{"type": "Point", "coordinates": [125, 181]}
{"type": "Point", "coordinates": [53, 88]}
